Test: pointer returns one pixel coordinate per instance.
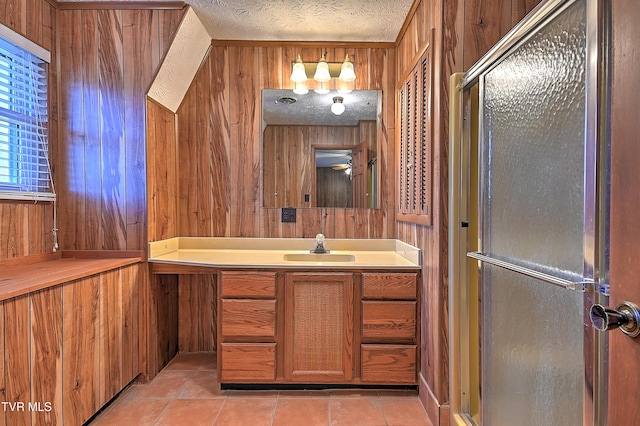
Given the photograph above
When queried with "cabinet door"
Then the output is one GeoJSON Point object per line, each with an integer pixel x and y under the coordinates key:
{"type": "Point", "coordinates": [319, 327]}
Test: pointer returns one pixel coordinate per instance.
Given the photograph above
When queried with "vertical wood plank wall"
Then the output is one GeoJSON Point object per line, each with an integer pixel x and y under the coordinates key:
{"type": "Point", "coordinates": [108, 59]}
{"type": "Point", "coordinates": [103, 62]}
{"type": "Point", "coordinates": [219, 176]}
{"type": "Point", "coordinates": [25, 227]}
{"type": "Point", "coordinates": [464, 31]}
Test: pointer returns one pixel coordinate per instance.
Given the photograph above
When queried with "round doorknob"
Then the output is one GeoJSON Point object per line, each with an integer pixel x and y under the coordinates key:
{"type": "Point", "coordinates": [626, 317]}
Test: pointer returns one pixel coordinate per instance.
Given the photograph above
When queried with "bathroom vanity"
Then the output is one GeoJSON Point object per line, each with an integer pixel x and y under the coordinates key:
{"type": "Point", "coordinates": [288, 316]}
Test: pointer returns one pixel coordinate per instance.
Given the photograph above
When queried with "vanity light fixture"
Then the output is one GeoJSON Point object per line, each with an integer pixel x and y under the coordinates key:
{"type": "Point", "coordinates": [298, 73]}
{"type": "Point", "coordinates": [346, 70]}
{"type": "Point", "coordinates": [322, 88]}
{"type": "Point", "coordinates": [322, 72]}
{"type": "Point", "coordinates": [300, 88]}
{"type": "Point", "coordinates": [338, 106]}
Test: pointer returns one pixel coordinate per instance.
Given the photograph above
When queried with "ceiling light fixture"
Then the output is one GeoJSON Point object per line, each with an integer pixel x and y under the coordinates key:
{"type": "Point", "coordinates": [338, 106]}
{"type": "Point", "coordinates": [322, 72]}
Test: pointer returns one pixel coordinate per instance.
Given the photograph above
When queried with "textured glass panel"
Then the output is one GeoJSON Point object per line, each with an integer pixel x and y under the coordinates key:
{"type": "Point", "coordinates": [535, 360]}
{"type": "Point", "coordinates": [534, 119]}
{"type": "Point", "coordinates": [533, 207]}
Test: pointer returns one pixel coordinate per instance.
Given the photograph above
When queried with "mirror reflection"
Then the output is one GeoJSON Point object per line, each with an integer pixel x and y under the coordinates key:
{"type": "Point", "coordinates": [315, 157]}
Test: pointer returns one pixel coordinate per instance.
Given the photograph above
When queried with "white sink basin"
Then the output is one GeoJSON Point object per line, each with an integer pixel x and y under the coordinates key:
{"type": "Point", "coordinates": [313, 257]}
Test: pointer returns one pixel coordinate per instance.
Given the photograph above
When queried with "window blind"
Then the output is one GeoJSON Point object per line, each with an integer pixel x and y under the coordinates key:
{"type": "Point", "coordinates": [25, 172]}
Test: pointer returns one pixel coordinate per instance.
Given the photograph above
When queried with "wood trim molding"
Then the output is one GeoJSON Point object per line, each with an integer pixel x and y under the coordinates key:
{"type": "Point", "coordinates": [159, 105]}
{"type": "Point", "coordinates": [304, 44]}
{"type": "Point", "coordinates": [407, 21]}
{"type": "Point", "coordinates": [119, 5]}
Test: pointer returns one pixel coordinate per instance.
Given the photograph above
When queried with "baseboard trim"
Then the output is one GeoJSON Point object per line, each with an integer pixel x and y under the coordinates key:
{"type": "Point", "coordinates": [438, 413]}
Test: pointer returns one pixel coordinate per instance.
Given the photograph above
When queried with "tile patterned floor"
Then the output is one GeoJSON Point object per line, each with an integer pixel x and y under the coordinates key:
{"type": "Point", "coordinates": [186, 392]}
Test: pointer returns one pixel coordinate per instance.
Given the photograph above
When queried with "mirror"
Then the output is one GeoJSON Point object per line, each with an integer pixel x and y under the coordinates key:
{"type": "Point", "coordinates": [312, 157]}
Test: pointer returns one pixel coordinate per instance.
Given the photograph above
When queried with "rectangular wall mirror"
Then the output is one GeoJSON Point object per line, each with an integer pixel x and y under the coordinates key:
{"type": "Point", "coordinates": [314, 157]}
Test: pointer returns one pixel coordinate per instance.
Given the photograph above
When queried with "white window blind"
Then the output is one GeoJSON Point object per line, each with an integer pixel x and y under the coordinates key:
{"type": "Point", "coordinates": [25, 172]}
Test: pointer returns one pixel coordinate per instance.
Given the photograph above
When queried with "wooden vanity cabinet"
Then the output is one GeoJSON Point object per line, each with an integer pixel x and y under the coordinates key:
{"type": "Point", "coordinates": [247, 326]}
{"type": "Point", "coordinates": [338, 327]}
{"type": "Point", "coordinates": [389, 328]}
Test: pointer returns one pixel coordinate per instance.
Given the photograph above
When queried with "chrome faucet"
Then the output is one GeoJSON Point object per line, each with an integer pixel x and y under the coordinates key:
{"type": "Point", "coordinates": [319, 249]}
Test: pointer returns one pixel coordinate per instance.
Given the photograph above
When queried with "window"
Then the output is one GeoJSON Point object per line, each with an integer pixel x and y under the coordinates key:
{"type": "Point", "coordinates": [25, 173]}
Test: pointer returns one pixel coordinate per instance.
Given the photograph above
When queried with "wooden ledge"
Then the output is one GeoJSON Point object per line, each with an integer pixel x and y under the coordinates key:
{"type": "Point", "coordinates": [32, 273]}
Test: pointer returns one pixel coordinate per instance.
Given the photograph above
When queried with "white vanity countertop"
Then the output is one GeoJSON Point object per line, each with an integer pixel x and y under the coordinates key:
{"type": "Point", "coordinates": [270, 253]}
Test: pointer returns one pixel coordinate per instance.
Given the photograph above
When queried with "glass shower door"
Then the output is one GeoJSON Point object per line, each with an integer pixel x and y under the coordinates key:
{"type": "Point", "coordinates": [538, 223]}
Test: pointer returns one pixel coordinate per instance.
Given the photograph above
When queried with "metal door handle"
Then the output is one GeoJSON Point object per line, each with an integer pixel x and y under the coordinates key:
{"type": "Point", "coordinates": [626, 317]}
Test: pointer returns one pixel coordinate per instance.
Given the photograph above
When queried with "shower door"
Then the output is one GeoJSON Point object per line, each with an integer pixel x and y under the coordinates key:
{"type": "Point", "coordinates": [542, 217]}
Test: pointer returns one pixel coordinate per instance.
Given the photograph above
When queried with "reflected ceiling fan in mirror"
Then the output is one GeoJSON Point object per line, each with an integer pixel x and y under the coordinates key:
{"type": "Point", "coordinates": [340, 166]}
{"type": "Point", "coordinates": [346, 166]}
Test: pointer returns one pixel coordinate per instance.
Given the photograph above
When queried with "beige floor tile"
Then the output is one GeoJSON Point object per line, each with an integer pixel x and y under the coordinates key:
{"type": "Point", "coordinates": [302, 411]}
{"type": "Point", "coordinates": [192, 361]}
{"type": "Point", "coordinates": [194, 412]}
{"type": "Point", "coordinates": [404, 412]}
{"type": "Point", "coordinates": [203, 384]}
{"type": "Point", "coordinates": [356, 411]}
{"type": "Point", "coordinates": [167, 384]}
{"type": "Point", "coordinates": [247, 412]}
{"type": "Point", "coordinates": [132, 412]}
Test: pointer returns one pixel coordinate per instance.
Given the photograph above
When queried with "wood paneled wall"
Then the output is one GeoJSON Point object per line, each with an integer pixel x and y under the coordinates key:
{"type": "Point", "coordinates": [161, 164]}
{"type": "Point", "coordinates": [219, 175]}
{"type": "Point", "coordinates": [333, 188]}
{"type": "Point", "coordinates": [464, 31]}
{"type": "Point", "coordinates": [25, 227]}
{"type": "Point", "coordinates": [108, 59]}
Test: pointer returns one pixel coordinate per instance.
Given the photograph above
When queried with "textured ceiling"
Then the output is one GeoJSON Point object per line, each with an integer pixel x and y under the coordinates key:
{"type": "Point", "coordinates": [313, 109]}
{"type": "Point", "coordinates": [328, 20]}
{"type": "Point", "coordinates": [302, 20]}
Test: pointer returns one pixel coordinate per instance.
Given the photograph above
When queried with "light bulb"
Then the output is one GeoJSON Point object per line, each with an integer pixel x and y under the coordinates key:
{"type": "Point", "coordinates": [322, 89]}
{"type": "Point", "coordinates": [300, 89]}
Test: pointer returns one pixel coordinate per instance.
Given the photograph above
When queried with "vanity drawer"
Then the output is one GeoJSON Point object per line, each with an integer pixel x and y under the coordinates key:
{"type": "Point", "coordinates": [389, 363]}
{"type": "Point", "coordinates": [248, 318]}
{"type": "Point", "coordinates": [391, 321]}
{"type": "Point", "coordinates": [389, 286]}
{"type": "Point", "coordinates": [248, 285]}
{"type": "Point", "coordinates": [248, 362]}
